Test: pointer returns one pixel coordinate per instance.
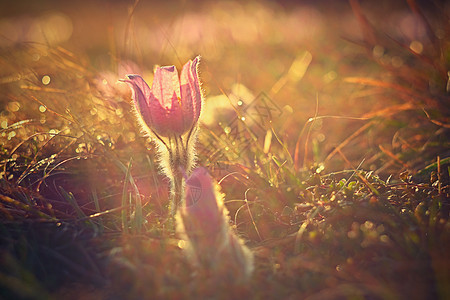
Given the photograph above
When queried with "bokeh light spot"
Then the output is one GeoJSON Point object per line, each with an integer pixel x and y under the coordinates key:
{"type": "Point", "coordinates": [330, 76]}
{"type": "Point", "coordinates": [416, 46]}
{"type": "Point", "coordinates": [384, 238]}
{"type": "Point", "coordinates": [181, 244]}
{"type": "Point", "coordinates": [46, 79]}
{"type": "Point", "coordinates": [321, 137]}
{"type": "Point", "coordinates": [13, 106]}
{"type": "Point", "coordinates": [378, 51]}
{"type": "Point", "coordinates": [11, 135]}
{"type": "Point", "coordinates": [54, 28]}
{"type": "Point", "coordinates": [36, 56]}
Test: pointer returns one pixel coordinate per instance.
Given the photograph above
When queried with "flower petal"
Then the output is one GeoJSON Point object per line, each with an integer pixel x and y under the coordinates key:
{"type": "Point", "coordinates": [166, 122]}
{"type": "Point", "coordinates": [141, 97]}
{"type": "Point", "coordinates": [165, 85]}
{"type": "Point", "coordinates": [165, 106]}
{"type": "Point", "coordinates": [196, 84]}
{"type": "Point", "coordinates": [191, 98]}
{"type": "Point", "coordinates": [186, 96]}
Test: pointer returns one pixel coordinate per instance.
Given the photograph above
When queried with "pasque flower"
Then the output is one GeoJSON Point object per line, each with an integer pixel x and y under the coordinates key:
{"type": "Point", "coordinates": [203, 222]}
{"type": "Point", "coordinates": [171, 107]}
{"type": "Point", "coordinates": [169, 112]}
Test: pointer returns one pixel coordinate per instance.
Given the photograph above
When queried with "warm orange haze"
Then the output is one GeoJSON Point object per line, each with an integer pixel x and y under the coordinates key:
{"type": "Point", "coordinates": [224, 149]}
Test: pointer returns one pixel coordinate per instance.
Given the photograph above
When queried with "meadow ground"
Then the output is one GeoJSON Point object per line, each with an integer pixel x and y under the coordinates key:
{"type": "Point", "coordinates": [326, 124]}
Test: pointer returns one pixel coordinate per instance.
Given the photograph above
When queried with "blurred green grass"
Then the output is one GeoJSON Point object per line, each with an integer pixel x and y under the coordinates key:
{"type": "Point", "coordinates": [320, 121]}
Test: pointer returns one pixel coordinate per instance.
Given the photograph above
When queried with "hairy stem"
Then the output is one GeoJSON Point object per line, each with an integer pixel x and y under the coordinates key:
{"type": "Point", "coordinates": [178, 165]}
{"type": "Point", "coordinates": [177, 192]}
{"type": "Point", "coordinates": [177, 158]}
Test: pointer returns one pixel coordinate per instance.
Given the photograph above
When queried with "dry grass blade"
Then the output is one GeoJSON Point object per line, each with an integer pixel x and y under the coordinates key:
{"type": "Point", "coordinates": [347, 140]}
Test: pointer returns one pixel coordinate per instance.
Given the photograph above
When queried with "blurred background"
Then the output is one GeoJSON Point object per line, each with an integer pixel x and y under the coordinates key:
{"type": "Point", "coordinates": [317, 85]}
{"type": "Point", "coordinates": [326, 123]}
{"type": "Point", "coordinates": [297, 53]}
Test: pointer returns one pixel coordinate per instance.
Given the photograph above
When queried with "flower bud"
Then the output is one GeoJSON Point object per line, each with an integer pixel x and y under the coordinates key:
{"type": "Point", "coordinates": [203, 223]}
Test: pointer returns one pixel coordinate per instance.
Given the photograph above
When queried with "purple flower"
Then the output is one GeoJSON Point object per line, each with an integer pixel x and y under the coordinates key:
{"type": "Point", "coordinates": [171, 107]}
